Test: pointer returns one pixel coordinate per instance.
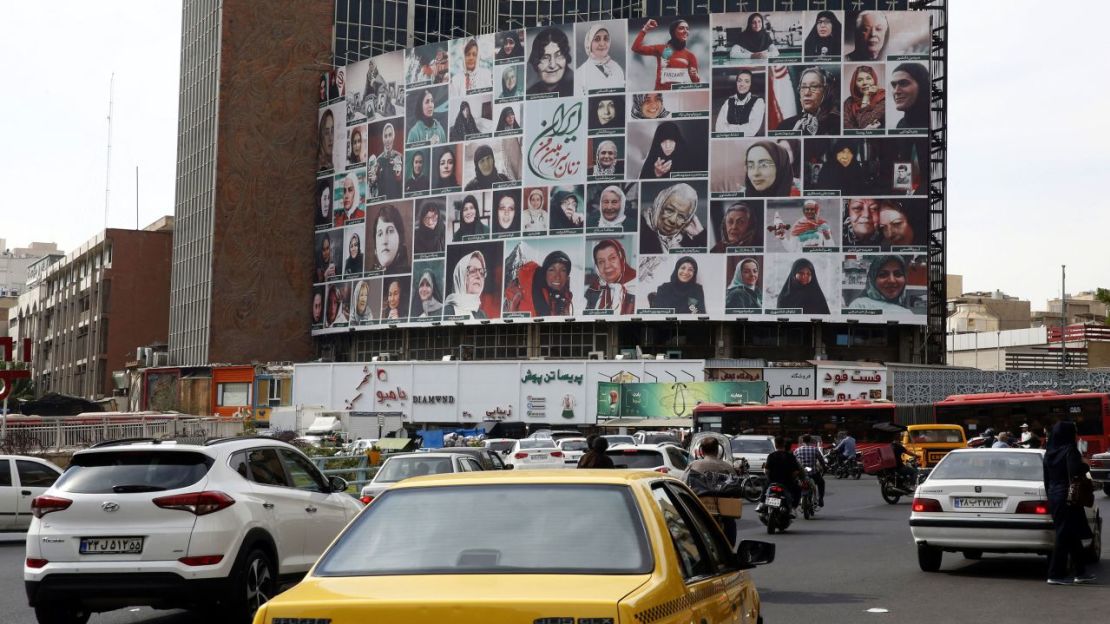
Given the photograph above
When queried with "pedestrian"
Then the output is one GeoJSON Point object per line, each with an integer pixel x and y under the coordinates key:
{"type": "Point", "coordinates": [595, 456]}
{"type": "Point", "coordinates": [1063, 463]}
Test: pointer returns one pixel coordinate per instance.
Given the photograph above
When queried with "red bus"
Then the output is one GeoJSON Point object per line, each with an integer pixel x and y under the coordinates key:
{"type": "Point", "coordinates": [791, 419]}
{"type": "Point", "coordinates": [1007, 411]}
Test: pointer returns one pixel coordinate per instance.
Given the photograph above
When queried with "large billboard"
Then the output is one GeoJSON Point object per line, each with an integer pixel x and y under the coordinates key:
{"type": "Point", "coordinates": [756, 166]}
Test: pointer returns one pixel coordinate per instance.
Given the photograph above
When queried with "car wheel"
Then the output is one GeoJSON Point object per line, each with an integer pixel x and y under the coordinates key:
{"type": "Point", "coordinates": [928, 558]}
{"type": "Point", "coordinates": [253, 583]}
{"type": "Point", "coordinates": [54, 614]}
{"type": "Point", "coordinates": [973, 555]}
{"type": "Point", "coordinates": [1094, 551]}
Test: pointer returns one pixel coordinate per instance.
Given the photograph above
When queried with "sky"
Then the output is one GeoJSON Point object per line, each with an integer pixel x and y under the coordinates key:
{"type": "Point", "coordinates": [1026, 128]}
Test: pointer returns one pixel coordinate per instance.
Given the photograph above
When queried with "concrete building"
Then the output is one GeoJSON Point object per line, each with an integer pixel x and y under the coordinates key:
{"type": "Point", "coordinates": [983, 311]}
{"type": "Point", "coordinates": [96, 306]}
{"type": "Point", "coordinates": [14, 263]}
{"type": "Point", "coordinates": [21, 322]}
{"type": "Point", "coordinates": [1082, 308]}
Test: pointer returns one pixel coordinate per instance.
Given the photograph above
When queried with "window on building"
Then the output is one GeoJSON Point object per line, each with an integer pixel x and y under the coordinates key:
{"type": "Point", "coordinates": [233, 394]}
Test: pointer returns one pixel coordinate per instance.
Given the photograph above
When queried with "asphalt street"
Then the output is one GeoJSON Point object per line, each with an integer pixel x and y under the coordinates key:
{"type": "Point", "coordinates": [855, 556]}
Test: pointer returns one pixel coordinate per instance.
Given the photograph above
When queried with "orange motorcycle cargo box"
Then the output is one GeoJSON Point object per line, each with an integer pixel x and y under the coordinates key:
{"type": "Point", "coordinates": [878, 458]}
{"type": "Point", "coordinates": [727, 507]}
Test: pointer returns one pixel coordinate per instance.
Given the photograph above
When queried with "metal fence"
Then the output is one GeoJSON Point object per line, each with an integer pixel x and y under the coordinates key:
{"type": "Point", "coordinates": [60, 434]}
{"type": "Point", "coordinates": [356, 469]}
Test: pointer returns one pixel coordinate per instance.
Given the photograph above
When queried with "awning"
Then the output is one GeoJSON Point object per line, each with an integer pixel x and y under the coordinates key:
{"type": "Point", "coordinates": [643, 423]}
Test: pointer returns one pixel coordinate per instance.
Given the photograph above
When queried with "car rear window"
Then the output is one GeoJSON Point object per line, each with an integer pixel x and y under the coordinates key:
{"type": "Point", "coordinates": [416, 531]}
{"type": "Point", "coordinates": [935, 436]}
{"type": "Point", "coordinates": [990, 464]}
{"type": "Point", "coordinates": [400, 468]}
{"type": "Point", "coordinates": [639, 458]}
{"type": "Point", "coordinates": [752, 446]}
{"type": "Point", "coordinates": [123, 472]}
{"type": "Point", "coordinates": [619, 439]}
{"type": "Point", "coordinates": [537, 444]}
{"type": "Point", "coordinates": [500, 447]}
{"type": "Point", "coordinates": [574, 445]}
{"type": "Point", "coordinates": [659, 438]}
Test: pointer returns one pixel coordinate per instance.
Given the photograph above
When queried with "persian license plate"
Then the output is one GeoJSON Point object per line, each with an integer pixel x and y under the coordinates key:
{"type": "Point", "coordinates": [773, 502]}
{"type": "Point", "coordinates": [973, 502]}
{"type": "Point", "coordinates": [111, 545]}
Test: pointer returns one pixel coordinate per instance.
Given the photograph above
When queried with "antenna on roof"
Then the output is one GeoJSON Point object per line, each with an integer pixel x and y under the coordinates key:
{"type": "Point", "coordinates": [108, 172]}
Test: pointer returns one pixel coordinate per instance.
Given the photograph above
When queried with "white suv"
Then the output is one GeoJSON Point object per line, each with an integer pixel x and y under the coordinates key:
{"type": "Point", "coordinates": [215, 526]}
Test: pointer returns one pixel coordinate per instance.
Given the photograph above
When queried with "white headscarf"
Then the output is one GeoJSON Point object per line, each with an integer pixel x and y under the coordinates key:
{"type": "Point", "coordinates": [602, 221]}
{"type": "Point", "coordinates": [463, 302]}
{"type": "Point", "coordinates": [651, 213]}
{"type": "Point", "coordinates": [598, 169]}
{"type": "Point", "coordinates": [593, 30]}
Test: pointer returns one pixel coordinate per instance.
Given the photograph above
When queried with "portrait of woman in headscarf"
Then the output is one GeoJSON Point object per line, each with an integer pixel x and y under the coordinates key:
{"type": "Point", "coordinates": [325, 159]}
{"type": "Point", "coordinates": [541, 289]}
{"type": "Point", "coordinates": [551, 59]}
{"type": "Point", "coordinates": [417, 180]}
{"type": "Point", "coordinates": [599, 71]}
{"type": "Point", "coordinates": [512, 86]}
{"type": "Point", "coordinates": [669, 153]}
{"type": "Point", "coordinates": [607, 113]}
{"type": "Point", "coordinates": [468, 224]}
{"type": "Point", "coordinates": [469, 282]}
{"type": "Point", "coordinates": [864, 108]}
{"type": "Point", "coordinates": [464, 124]}
{"type": "Point", "coordinates": [609, 212]}
{"type": "Point", "coordinates": [425, 127]}
{"type": "Point", "coordinates": [353, 265]}
{"type": "Point", "coordinates": [507, 120]}
{"type": "Point", "coordinates": [802, 291]}
{"type": "Point", "coordinates": [612, 284]}
{"type": "Point", "coordinates": [739, 227]}
{"type": "Point", "coordinates": [818, 104]}
{"type": "Point", "coordinates": [671, 221]}
{"type": "Point", "coordinates": [431, 232]}
{"type": "Point", "coordinates": [768, 171]}
{"type": "Point", "coordinates": [824, 40]}
{"type": "Point", "coordinates": [362, 311]}
{"type": "Point", "coordinates": [754, 42]}
{"type": "Point", "coordinates": [743, 291]}
{"type": "Point", "coordinates": [390, 252]}
{"type": "Point", "coordinates": [506, 213]}
{"type": "Point", "coordinates": [842, 170]}
{"type": "Point", "coordinates": [649, 106]}
{"type": "Point", "coordinates": [446, 172]}
{"type": "Point", "coordinates": [886, 287]}
{"type": "Point", "coordinates": [534, 216]}
{"type": "Point", "coordinates": [509, 46]}
{"type": "Point", "coordinates": [485, 170]}
{"type": "Point", "coordinates": [682, 293]}
{"type": "Point", "coordinates": [427, 300]}
{"type": "Point", "coordinates": [607, 159]}
{"type": "Point", "coordinates": [566, 208]}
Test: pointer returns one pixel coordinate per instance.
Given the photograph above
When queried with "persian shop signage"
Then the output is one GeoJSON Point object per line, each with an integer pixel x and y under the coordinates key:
{"type": "Point", "coordinates": [550, 376]}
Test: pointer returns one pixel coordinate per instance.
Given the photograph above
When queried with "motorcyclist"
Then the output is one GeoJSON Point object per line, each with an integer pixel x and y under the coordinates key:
{"type": "Point", "coordinates": [809, 456]}
{"type": "Point", "coordinates": [711, 462]}
{"type": "Point", "coordinates": [845, 447]}
{"type": "Point", "coordinates": [906, 474]}
{"type": "Point", "coordinates": [783, 468]}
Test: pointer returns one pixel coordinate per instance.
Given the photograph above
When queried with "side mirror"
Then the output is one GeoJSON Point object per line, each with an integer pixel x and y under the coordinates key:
{"type": "Point", "coordinates": [337, 484]}
{"type": "Point", "coordinates": [750, 553]}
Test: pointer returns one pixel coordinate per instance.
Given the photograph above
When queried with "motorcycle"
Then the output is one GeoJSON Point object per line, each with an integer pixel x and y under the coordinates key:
{"type": "Point", "coordinates": [775, 510]}
{"type": "Point", "coordinates": [894, 486]}
{"type": "Point", "coordinates": [751, 484]}
{"type": "Point", "coordinates": [843, 468]}
{"type": "Point", "coordinates": [809, 490]}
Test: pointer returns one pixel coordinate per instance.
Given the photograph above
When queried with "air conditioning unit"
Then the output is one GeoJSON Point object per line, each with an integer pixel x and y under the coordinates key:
{"type": "Point", "coordinates": [384, 357]}
{"type": "Point", "coordinates": [595, 355]}
{"type": "Point", "coordinates": [142, 356]}
{"type": "Point", "coordinates": [161, 358]}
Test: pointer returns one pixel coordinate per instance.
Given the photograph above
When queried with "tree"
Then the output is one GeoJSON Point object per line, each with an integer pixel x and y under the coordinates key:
{"type": "Point", "coordinates": [1103, 295]}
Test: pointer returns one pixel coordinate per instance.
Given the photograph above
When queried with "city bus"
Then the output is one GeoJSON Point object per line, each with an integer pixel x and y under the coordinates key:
{"type": "Point", "coordinates": [791, 419]}
{"type": "Point", "coordinates": [1007, 411]}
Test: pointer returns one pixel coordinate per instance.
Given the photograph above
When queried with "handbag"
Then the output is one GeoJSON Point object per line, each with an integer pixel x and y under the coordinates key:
{"type": "Point", "coordinates": [1081, 491]}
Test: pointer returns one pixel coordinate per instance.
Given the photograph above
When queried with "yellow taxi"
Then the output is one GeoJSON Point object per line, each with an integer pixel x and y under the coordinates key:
{"type": "Point", "coordinates": [535, 547]}
{"type": "Point", "coordinates": [930, 443]}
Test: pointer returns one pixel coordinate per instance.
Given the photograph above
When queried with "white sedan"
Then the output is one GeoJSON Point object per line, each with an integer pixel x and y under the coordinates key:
{"type": "Point", "coordinates": [573, 449]}
{"type": "Point", "coordinates": [535, 454]}
{"type": "Point", "coordinates": [987, 501]}
{"type": "Point", "coordinates": [22, 478]}
{"type": "Point", "coordinates": [665, 458]}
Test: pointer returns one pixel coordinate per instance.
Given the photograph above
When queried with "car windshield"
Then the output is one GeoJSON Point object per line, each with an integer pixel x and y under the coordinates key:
{"type": "Point", "coordinates": [990, 464]}
{"type": "Point", "coordinates": [125, 471]}
{"type": "Point", "coordinates": [500, 446]}
{"type": "Point", "coordinates": [574, 445]}
{"type": "Point", "coordinates": [659, 438]}
{"type": "Point", "coordinates": [537, 444]}
{"type": "Point", "coordinates": [636, 458]}
{"type": "Point", "coordinates": [932, 436]}
{"type": "Point", "coordinates": [752, 446]}
{"type": "Point", "coordinates": [619, 439]}
{"type": "Point", "coordinates": [555, 529]}
{"type": "Point", "coordinates": [399, 468]}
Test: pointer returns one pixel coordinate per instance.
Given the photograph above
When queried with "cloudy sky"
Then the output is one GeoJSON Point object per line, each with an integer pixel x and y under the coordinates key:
{"type": "Point", "coordinates": [1026, 122]}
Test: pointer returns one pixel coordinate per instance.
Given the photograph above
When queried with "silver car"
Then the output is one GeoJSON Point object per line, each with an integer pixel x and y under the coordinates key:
{"type": "Point", "coordinates": [400, 467]}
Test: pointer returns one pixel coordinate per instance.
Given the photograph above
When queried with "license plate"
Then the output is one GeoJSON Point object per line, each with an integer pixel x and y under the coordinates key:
{"type": "Point", "coordinates": [111, 545]}
{"type": "Point", "coordinates": [773, 502]}
{"type": "Point", "coordinates": [977, 503]}
{"type": "Point", "coordinates": [539, 457]}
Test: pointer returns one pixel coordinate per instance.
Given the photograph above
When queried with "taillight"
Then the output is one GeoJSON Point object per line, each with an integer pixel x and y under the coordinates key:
{"type": "Point", "coordinates": [366, 499]}
{"type": "Point", "coordinates": [199, 503]}
{"type": "Point", "coordinates": [556, 453]}
{"type": "Point", "coordinates": [663, 469]}
{"type": "Point", "coordinates": [36, 563]}
{"type": "Point", "coordinates": [202, 560]}
{"type": "Point", "coordinates": [1033, 507]}
{"type": "Point", "coordinates": [776, 489]}
{"type": "Point", "coordinates": [42, 505]}
{"type": "Point", "coordinates": [520, 455]}
{"type": "Point", "coordinates": [630, 451]}
{"type": "Point", "coordinates": [926, 504]}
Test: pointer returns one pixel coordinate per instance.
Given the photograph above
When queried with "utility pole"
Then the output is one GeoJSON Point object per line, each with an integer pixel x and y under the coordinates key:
{"type": "Point", "coordinates": [1063, 319]}
{"type": "Point", "coordinates": [108, 166]}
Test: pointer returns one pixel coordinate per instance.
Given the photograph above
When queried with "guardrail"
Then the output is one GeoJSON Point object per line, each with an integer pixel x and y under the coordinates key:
{"type": "Point", "coordinates": [356, 469]}
{"type": "Point", "coordinates": [56, 434]}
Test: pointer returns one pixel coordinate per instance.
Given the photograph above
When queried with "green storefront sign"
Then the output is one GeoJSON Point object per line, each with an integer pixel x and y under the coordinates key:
{"type": "Point", "coordinates": [672, 400]}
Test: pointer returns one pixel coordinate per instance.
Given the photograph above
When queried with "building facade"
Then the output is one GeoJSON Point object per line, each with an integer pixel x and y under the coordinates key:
{"type": "Point", "coordinates": [15, 264]}
{"type": "Point", "coordinates": [96, 306]}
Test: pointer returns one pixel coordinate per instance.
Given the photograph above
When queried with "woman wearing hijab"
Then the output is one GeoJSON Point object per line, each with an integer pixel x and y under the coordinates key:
{"type": "Point", "coordinates": [843, 172]}
{"type": "Point", "coordinates": [427, 301]}
{"type": "Point", "coordinates": [768, 171]}
{"type": "Point", "coordinates": [506, 220]}
{"type": "Point", "coordinates": [607, 161]}
{"type": "Point", "coordinates": [362, 311]}
{"type": "Point", "coordinates": [534, 216]}
{"type": "Point", "coordinates": [824, 40]}
{"type": "Point", "coordinates": [468, 225]}
{"type": "Point", "coordinates": [507, 121]}
{"type": "Point", "coordinates": [682, 293]}
{"type": "Point", "coordinates": [886, 287]}
{"type": "Point", "coordinates": [649, 106]}
{"type": "Point", "coordinates": [910, 82]}
{"type": "Point", "coordinates": [1063, 463]}
{"type": "Point", "coordinates": [445, 175]}
{"type": "Point", "coordinates": [390, 253]}
{"type": "Point", "coordinates": [325, 159]}
{"type": "Point", "coordinates": [469, 282]}
{"type": "Point", "coordinates": [819, 101]}
{"type": "Point", "coordinates": [801, 290]}
{"type": "Point", "coordinates": [675, 63]}
{"type": "Point", "coordinates": [354, 262]}
{"type": "Point", "coordinates": [323, 202]}
{"type": "Point", "coordinates": [511, 84]}
{"type": "Point", "coordinates": [551, 58]}
{"type": "Point", "coordinates": [426, 128]}
{"type": "Point", "coordinates": [755, 42]}
{"type": "Point", "coordinates": [551, 294]}
{"type": "Point", "coordinates": [417, 181]}
{"type": "Point", "coordinates": [464, 125]}
{"type": "Point", "coordinates": [738, 229]}
{"type": "Point", "coordinates": [510, 47]}
{"type": "Point", "coordinates": [671, 221]}
{"type": "Point", "coordinates": [430, 231]}
{"type": "Point", "coordinates": [668, 153]}
{"type": "Point", "coordinates": [610, 213]}
{"type": "Point", "coordinates": [743, 111]}
{"type": "Point", "coordinates": [743, 291]}
{"type": "Point", "coordinates": [612, 284]}
{"type": "Point", "coordinates": [485, 170]}
{"type": "Point", "coordinates": [599, 71]}
{"type": "Point", "coordinates": [564, 209]}
{"type": "Point", "coordinates": [865, 108]}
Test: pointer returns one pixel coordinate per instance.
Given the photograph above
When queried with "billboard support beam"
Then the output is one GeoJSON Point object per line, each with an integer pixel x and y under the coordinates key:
{"type": "Point", "coordinates": [937, 308]}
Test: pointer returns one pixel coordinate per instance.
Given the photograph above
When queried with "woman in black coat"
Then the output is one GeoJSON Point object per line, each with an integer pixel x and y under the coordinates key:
{"type": "Point", "coordinates": [1062, 463]}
